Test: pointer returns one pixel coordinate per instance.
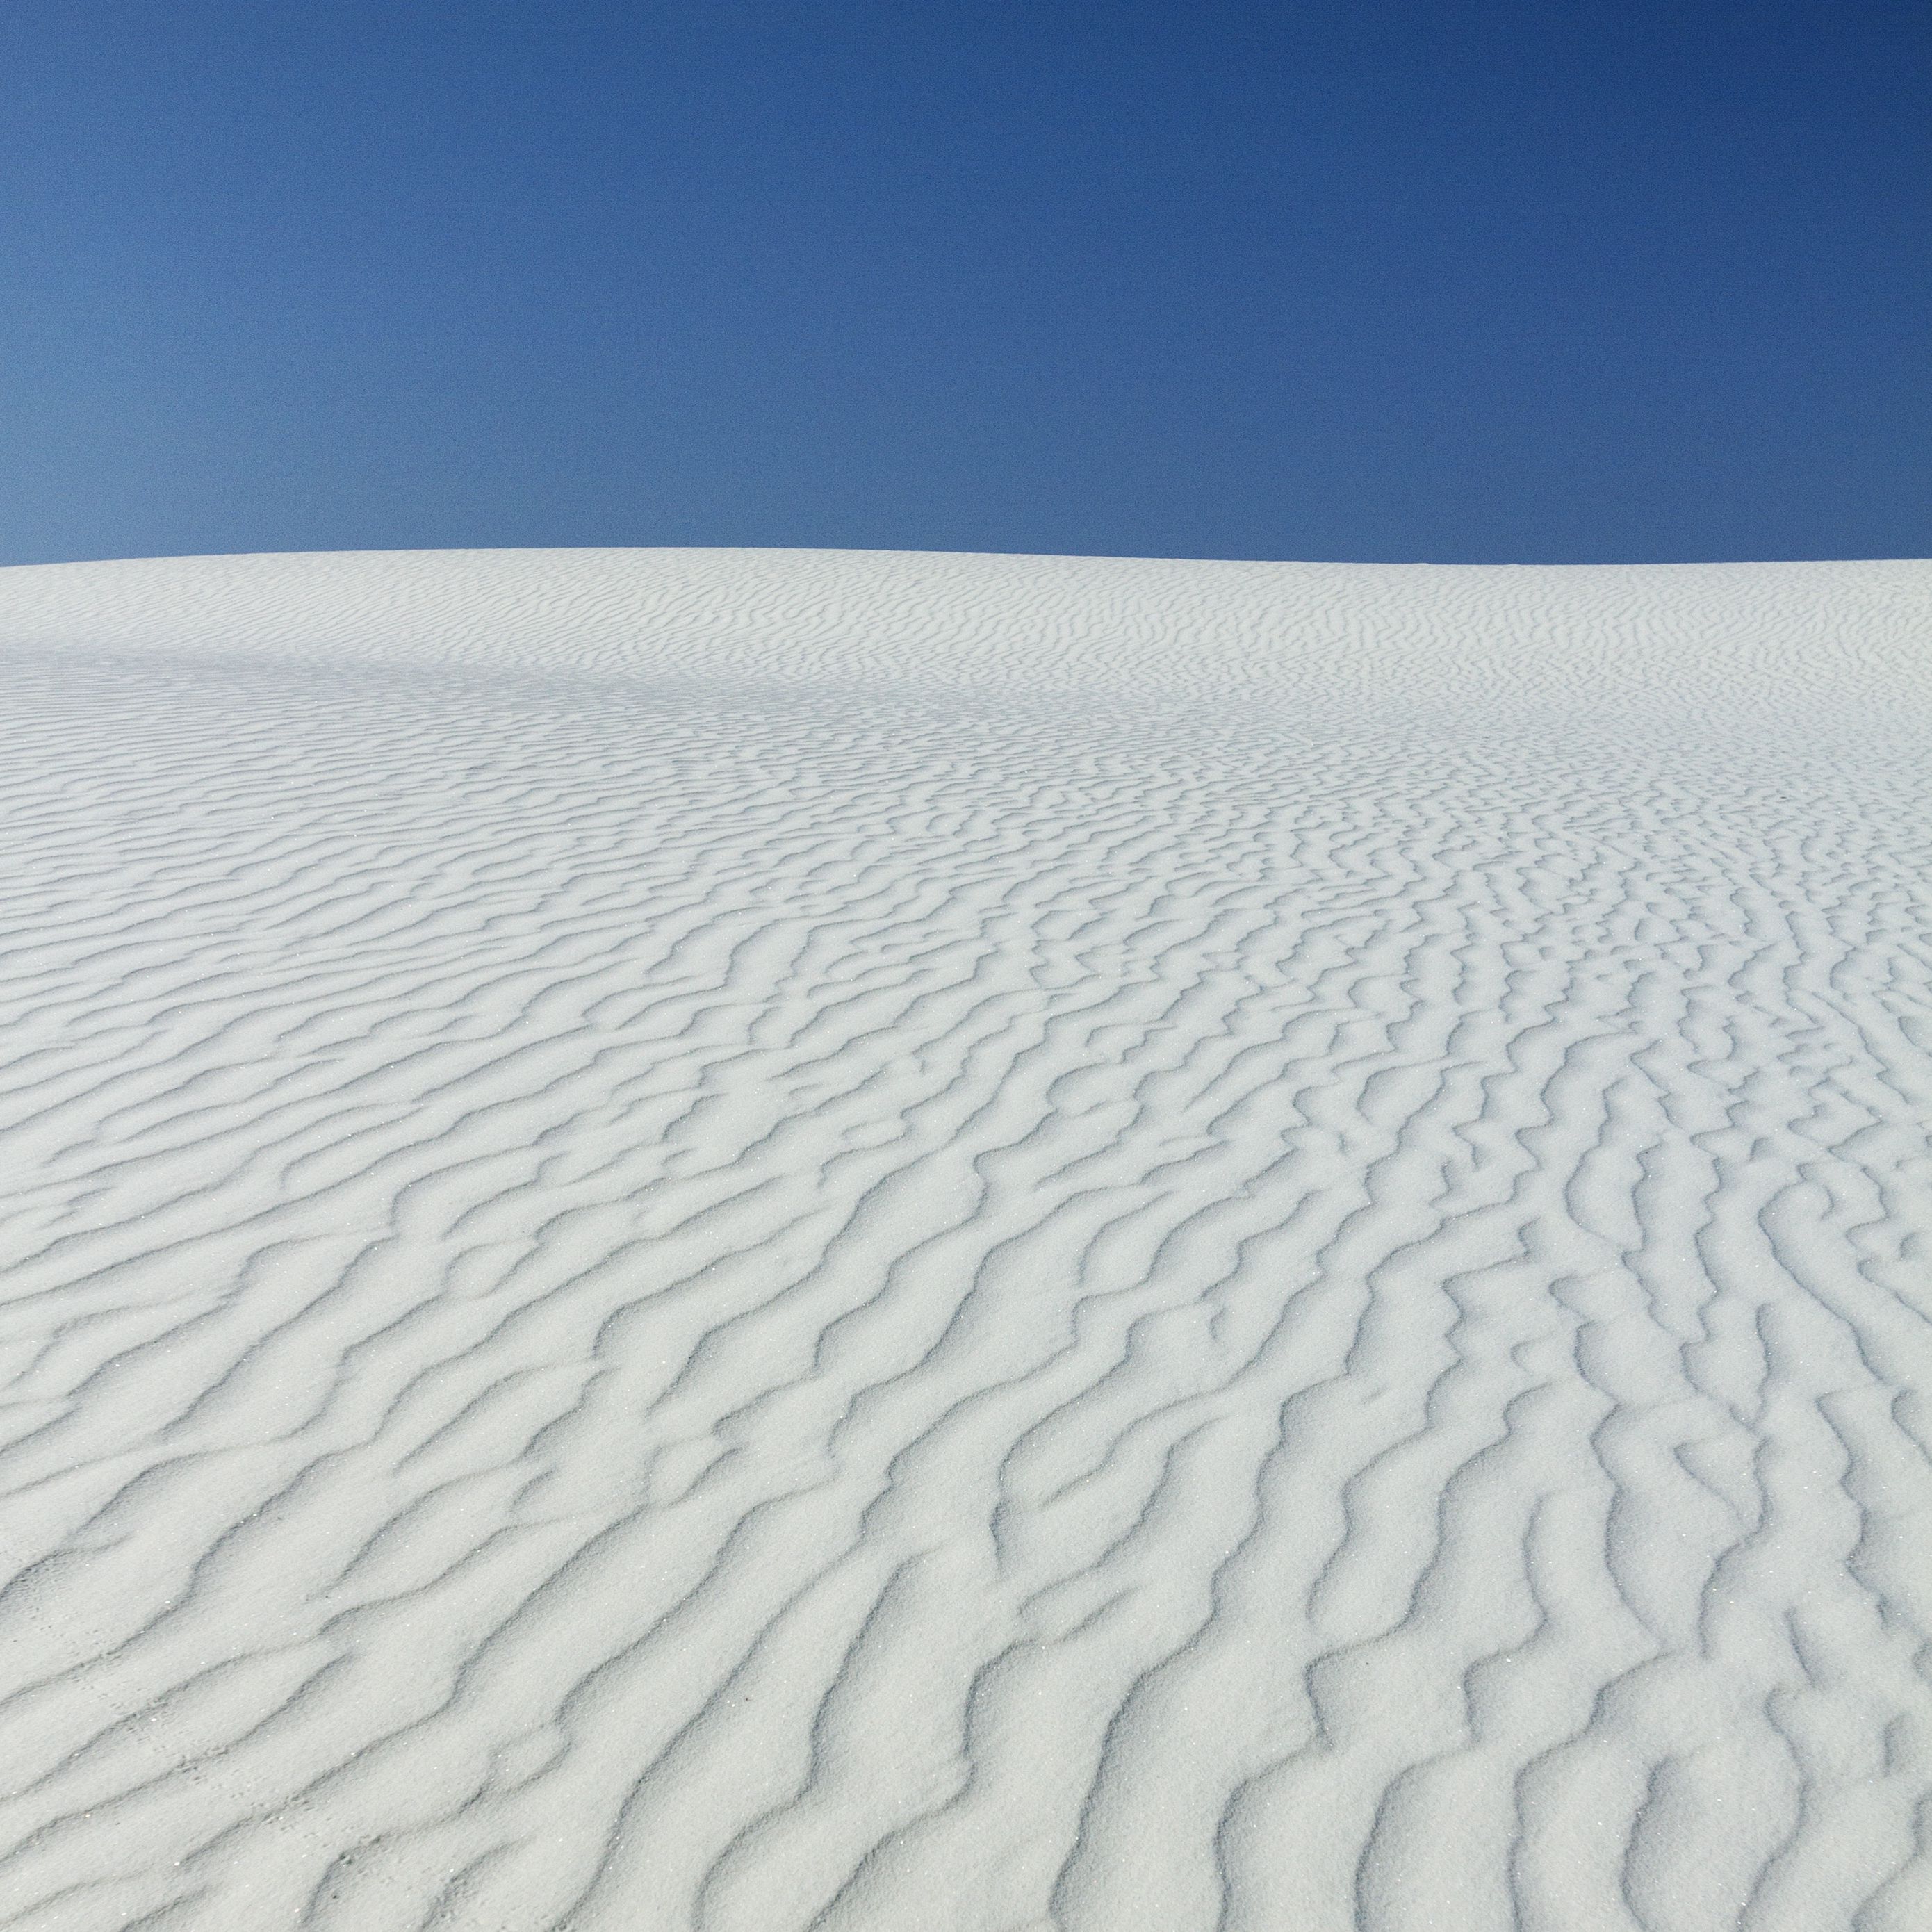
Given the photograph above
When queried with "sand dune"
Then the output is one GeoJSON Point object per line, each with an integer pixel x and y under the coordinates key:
{"type": "Point", "coordinates": [764, 1239]}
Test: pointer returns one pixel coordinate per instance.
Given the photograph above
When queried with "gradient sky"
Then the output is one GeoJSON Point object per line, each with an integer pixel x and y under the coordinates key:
{"type": "Point", "coordinates": [1576, 280]}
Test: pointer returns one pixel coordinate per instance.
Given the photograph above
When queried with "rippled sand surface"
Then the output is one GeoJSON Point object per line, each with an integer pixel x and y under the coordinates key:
{"type": "Point", "coordinates": [757, 1240]}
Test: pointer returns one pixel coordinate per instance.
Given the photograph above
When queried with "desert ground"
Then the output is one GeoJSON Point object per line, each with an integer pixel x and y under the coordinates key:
{"type": "Point", "coordinates": [754, 1240]}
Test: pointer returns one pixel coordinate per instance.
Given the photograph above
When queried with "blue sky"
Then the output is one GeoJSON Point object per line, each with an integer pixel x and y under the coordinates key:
{"type": "Point", "coordinates": [1562, 282]}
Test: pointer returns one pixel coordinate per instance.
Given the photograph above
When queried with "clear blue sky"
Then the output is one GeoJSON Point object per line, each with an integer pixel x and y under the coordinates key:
{"type": "Point", "coordinates": [1563, 280]}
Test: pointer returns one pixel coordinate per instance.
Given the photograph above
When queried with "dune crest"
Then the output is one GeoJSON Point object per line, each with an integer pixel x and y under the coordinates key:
{"type": "Point", "coordinates": [756, 1240]}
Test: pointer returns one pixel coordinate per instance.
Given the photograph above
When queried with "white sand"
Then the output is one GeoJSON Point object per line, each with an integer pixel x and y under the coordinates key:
{"type": "Point", "coordinates": [762, 1240]}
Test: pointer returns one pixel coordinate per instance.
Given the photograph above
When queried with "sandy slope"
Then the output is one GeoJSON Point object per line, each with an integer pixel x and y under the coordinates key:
{"type": "Point", "coordinates": [765, 1239]}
